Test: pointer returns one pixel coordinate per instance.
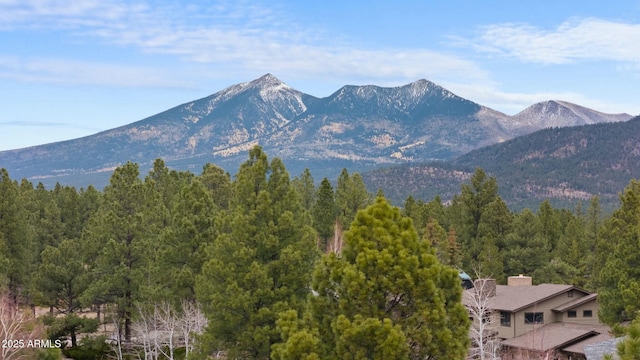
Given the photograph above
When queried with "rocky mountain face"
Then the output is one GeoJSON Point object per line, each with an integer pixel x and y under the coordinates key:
{"type": "Point", "coordinates": [357, 127]}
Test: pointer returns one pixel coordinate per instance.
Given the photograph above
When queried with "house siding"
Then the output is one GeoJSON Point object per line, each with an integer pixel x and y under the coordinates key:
{"type": "Point", "coordinates": [580, 319]}
{"type": "Point", "coordinates": [518, 326]}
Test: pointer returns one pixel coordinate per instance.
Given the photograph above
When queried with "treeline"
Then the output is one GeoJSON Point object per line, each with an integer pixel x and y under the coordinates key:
{"type": "Point", "coordinates": [248, 251]}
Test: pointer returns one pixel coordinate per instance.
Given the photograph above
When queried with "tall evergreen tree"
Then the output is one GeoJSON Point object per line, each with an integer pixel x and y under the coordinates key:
{"type": "Point", "coordinates": [617, 274]}
{"type": "Point", "coordinates": [471, 209]}
{"type": "Point", "coordinates": [305, 187]}
{"type": "Point", "coordinates": [386, 285]}
{"type": "Point", "coordinates": [14, 232]}
{"type": "Point", "coordinates": [525, 248]}
{"type": "Point", "coordinates": [324, 213]}
{"type": "Point", "coordinates": [351, 196]}
{"type": "Point", "coordinates": [218, 182]}
{"type": "Point", "coordinates": [260, 265]}
{"type": "Point", "coordinates": [61, 280]}
{"type": "Point", "coordinates": [124, 231]}
{"type": "Point", "coordinates": [184, 243]}
{"type": "Point", "coordinates": [550, 224]}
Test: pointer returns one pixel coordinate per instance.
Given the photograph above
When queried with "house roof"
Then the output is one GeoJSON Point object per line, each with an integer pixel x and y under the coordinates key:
{"type": "Point", "coordinates": [576, 302]}
{"type": "Point", "coordinates": [554, 336]}
{"type": "Point", "coordinates": [582, 346]}
{"type": "Point", "coordinates": [516, 298]}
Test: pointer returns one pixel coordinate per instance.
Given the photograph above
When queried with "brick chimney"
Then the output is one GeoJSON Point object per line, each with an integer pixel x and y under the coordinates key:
{"type": "Point", "coordinates": [519, 280]}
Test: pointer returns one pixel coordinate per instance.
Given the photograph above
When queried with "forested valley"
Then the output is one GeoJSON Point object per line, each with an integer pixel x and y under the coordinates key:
{"type": "Point", "coordinates": [260, 265]}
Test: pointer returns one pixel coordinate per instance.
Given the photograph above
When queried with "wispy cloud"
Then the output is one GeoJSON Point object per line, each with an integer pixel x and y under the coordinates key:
{"type": "Point", "coordinates": [71, 72]}
{"type": "Point", "coordinates": [45, 124]}
{"type": "Point", "coordinates": [585, 39]}
{"type": "Point", "coordinates": [514, 102]}
{"type": "Point", "coordinates": [243, 36]}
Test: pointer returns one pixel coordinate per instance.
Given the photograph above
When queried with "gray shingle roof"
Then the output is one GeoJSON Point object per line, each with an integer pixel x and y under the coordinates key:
{"type": "Point", "coordinates": [515, 298]}
{"type": "Point", "coordinates": [554, 336]}
{"type": "Point", "coordinates": [573, 303]}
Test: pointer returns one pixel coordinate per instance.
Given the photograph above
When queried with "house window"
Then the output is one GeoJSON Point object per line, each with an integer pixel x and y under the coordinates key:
{"type": "Point", "coordinates": [505, 318]}
{"type": "Point", "coordinates": [534, 318]}
{"type": "Point", "coordinates": [571, 314]}
{"type": "Point", "coordinates": [587, 313]}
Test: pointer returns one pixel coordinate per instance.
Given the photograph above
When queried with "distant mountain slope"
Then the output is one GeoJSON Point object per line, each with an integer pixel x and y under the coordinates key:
{"type": "Point", "coordinates": [561, 164]}
{"type": "Point", "coordinates": [359, 127]}
{"type": "Point", "coordinates": [385, 125]}
{"type": "Point", "coordinates": [238, 114]}
{"type": "Point", "coordinates": [561, 114]}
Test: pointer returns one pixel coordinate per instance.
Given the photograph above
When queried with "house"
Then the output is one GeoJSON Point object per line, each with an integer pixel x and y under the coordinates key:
{"type": "Point", "coordinates": [534, 320]}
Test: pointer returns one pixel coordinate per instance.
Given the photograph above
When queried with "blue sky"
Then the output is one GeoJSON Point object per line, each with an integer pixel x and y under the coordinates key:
{"type": "Point", "coordinates": [72, 68]}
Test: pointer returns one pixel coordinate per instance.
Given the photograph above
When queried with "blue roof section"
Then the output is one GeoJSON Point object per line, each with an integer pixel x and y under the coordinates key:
{"type": "Point", "coordinates": [463, 275]}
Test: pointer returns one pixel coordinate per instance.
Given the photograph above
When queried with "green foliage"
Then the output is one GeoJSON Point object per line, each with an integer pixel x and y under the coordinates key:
{"type": "Point", "coordinates": [218, 182]}
{"type": "Point", "coordinates": [387, 296]}
{"type": "Point", "coordinates": [305, 187]}
{"type": "Point", "coordinates": [629, 348]}
{"type": "Point", "coordinates": [324, 212]}
{"type": "Point", "coordinates": [557, 271]}
{"type": "Point", "coordinates": [369, 338]}
{"type": "Point", "coordinates": [69, 325]}
{"type": "Point", "coordinates": [298, 339]}
{"type": "Point", "coordinates": [123, 231]}
{"type": "Point", "coordinates": [184, 242]}
{"type": "Point", "coordinates": [246, 249]}
{"type": "Point", "coordinates": [473, 205]}
{"type": "Point", "coordinates": [616, 270]}
{"type": "Point", "coordinates": [49, 354]}
{"type": "Point", "coordinates": [351, 196]}
{"type": "Point", "coordinates": [90, 348]}
{"type": "Point", "coordinates": [260, 265]}
{"type": "Point", "coordinates": [62, 277]}
{"type": "Point", "coordinates": [525, 247]}
{"type": "Point", "coordinates": [14, 237]}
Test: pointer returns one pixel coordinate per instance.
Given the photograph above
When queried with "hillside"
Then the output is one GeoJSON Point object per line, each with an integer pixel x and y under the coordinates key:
{"type": "Point", "coordinates": [358, 127]}
{"type": "Point", "coordinates": [561, 164]}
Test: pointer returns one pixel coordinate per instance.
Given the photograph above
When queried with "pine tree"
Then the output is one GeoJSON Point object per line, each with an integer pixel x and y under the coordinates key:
{"type": "Point", "coordinates": [218, 182]}
{"type": "Point", "coordinates": [525, 247]}
{"type": "Point", "coordinates": [351, 196]}
{"type": "Point", "coordinates": [184, 243]}
{"type": "Point", "coordinates": [471, 212]}
{"type": "Point", "coordinates": [452, 254]}
{"type": "Point", "coordinates": [261, 263]}
{"type": "Point", "coordinates": [15, 235]}
{"type": "Point", "coordinates": [629, 348]}
{"type": "Point", "coordinates": [324, 213]}
{"type": "Point", "coordinates": [62, 278]}
{"type": "Point", "coordinates": [305, 187]}
{"type": "Point", "coordinates": [386, 285]}
{"type": "Point", "coordinates": [617, 274]}
{"type": "Point", "coordinates": [123, 233]}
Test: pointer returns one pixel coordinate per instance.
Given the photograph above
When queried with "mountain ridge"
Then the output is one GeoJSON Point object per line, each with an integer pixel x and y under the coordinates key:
{"type": "Point", "coordinates": [356, 126]}
{"type": "Point", "coordinates": [563, 165]}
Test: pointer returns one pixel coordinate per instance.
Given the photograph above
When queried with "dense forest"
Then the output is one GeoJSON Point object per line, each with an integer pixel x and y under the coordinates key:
{"type": "Point", "coordinates": [260, 265]}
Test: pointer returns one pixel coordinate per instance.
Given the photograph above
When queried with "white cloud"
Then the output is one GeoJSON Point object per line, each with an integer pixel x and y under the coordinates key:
{"type": "Point", "coordinates": [70, 72]}
{"type": "Point", "coordinates": [586, 39]}
{"type": "Point", "coordinates": [514, 102]}
{"type": "Point", "coordinates": [240, 37]}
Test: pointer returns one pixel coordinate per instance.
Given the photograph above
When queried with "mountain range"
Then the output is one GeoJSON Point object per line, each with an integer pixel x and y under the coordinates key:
{"type": "Point", "coordinates": [358, 127]}
{"type": "Point", "coordinates": [564, 165]}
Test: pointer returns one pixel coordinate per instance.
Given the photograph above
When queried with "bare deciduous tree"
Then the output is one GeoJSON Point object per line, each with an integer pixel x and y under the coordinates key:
{"type": "Point", "coordinates": [483, 331]}
{"type": "Point", "coordinates": [161, 329]}
{"type": "Point", "coordinates": [17, 328]}
{"type": "Point", "coordinates": [193, 323]}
